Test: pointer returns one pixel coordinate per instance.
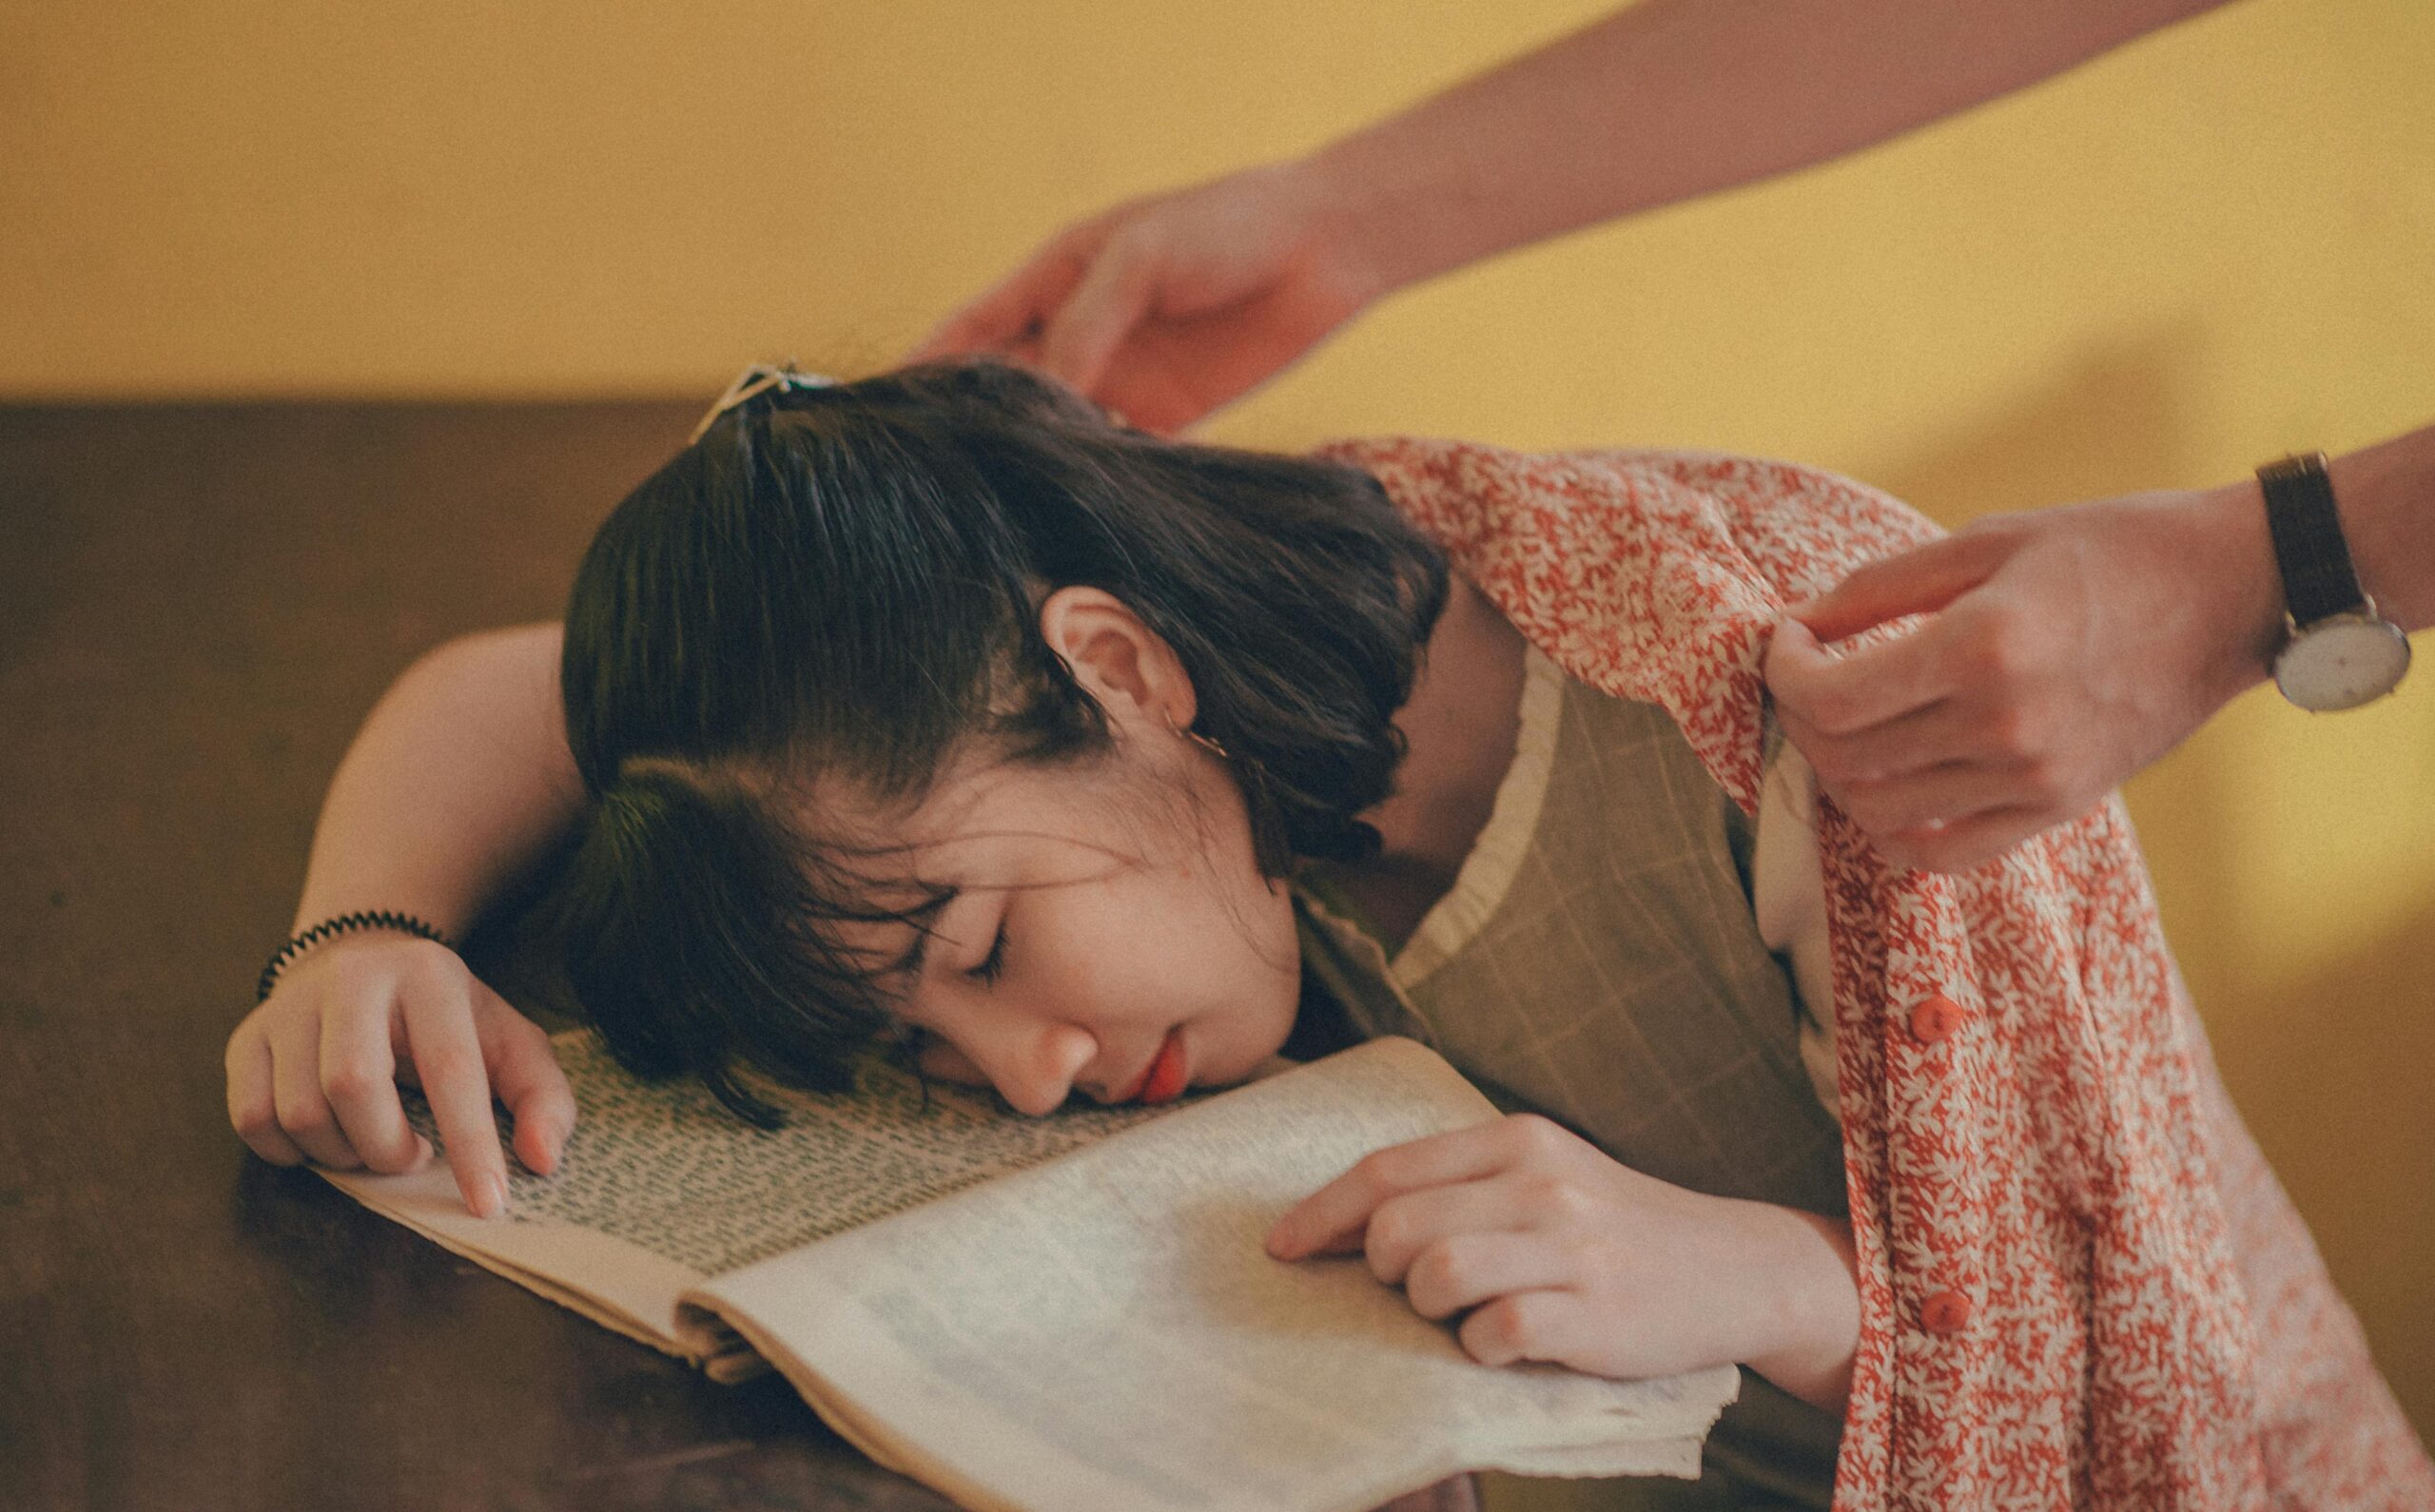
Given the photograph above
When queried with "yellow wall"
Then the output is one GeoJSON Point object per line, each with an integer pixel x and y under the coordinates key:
{"type": "Point", "coordinates": [2206, 249]}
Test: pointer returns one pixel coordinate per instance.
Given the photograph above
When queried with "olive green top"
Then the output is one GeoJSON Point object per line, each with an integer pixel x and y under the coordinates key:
{"type": "Point", "coordinates": [1597, 961]}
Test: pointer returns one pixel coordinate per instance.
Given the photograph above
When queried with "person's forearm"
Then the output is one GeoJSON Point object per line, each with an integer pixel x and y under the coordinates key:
{"type": "Point", "coordinates": [458, 782]}
{"type": "Point", "coordinates": [2387, 498]}
{"type": "Point", "coordinates": [2386, 494]}
{"type": "Point", "coordinates": [1671, 99]}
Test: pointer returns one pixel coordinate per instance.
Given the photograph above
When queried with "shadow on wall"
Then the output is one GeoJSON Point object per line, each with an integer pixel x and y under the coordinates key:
{"type": "Point", "coordinates": [2331, 1077]}
{"type": "Point", "coordinates": [2116, 420]}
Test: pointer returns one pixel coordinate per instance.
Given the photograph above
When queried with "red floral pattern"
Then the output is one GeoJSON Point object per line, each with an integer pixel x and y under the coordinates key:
{"type": "Point", "coordinates": [2079, 1283]}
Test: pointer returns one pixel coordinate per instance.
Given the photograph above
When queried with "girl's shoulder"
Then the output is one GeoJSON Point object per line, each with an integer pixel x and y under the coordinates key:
{"type": "Point", "coordinates": [1432, 478]}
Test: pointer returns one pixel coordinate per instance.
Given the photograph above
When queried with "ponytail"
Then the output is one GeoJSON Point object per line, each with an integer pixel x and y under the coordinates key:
{"type": "Point", "coordinates": [686, 919]}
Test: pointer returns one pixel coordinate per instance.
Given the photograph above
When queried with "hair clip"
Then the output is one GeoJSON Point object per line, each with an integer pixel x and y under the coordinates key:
{"type": "Point", "coordinates": [758, 379]}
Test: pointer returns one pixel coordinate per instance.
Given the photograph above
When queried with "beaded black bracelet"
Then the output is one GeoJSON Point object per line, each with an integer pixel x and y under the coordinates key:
{"type": "Point", "coordinates": [329, 928]}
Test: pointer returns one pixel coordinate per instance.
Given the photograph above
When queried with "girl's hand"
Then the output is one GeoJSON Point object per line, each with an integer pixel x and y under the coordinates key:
{"type": "Point", "coordinates": [1559, 1253]}
{"type": "Point", "coordinates": [313, 1071]}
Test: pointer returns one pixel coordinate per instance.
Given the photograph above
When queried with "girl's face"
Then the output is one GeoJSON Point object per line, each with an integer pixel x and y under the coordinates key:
{"type": "Point", "coordinates": [1109, 930]}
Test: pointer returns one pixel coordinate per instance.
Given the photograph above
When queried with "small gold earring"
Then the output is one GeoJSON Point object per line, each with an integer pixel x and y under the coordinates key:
{"type": "Point", "coordinates": [1207, 743]}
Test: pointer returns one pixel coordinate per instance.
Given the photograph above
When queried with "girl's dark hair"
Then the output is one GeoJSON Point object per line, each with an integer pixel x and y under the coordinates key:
{"type": "Point", "coordinates": [842, 584]}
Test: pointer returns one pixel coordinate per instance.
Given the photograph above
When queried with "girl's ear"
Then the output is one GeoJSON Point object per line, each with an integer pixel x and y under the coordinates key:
{"type": "Point", "coordinates": [1126, 665]}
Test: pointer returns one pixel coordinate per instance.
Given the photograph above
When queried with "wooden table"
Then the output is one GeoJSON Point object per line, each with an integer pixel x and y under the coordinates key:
{"type": "Point", "coordinates": [197, 606]}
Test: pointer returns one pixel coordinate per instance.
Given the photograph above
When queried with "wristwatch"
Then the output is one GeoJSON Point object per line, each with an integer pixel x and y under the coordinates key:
{"type": "Point", "coordinates": [2338, 651]}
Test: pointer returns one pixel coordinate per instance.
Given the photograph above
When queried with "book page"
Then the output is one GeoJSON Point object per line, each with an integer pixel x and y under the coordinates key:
{"type": "Point", "coordinates": [661, 1187]}
{"type": "Point", "coordinates": [663, 1167]}
{"type": "Point", "coordinates": [1105, 1330]}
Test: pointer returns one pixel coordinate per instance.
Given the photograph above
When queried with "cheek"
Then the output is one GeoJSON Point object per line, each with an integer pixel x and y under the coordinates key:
{"type": "Point", "coordinates": [1238, 965]}
{"type": "Point", "coordinates": [1275, 964]}
{"type": "Point", "coordinates": [1153, 948]}
{"type": "Point", "coordinates": [1204, 936]}
{"type": "Point", "coordinates": [946, 1063]}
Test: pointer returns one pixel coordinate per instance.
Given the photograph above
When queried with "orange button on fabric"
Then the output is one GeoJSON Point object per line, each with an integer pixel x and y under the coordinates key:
{"type": "Point", "coordinates": [1935, 1017]}
{"type": "Point", "coordinates": [1945, 1312]}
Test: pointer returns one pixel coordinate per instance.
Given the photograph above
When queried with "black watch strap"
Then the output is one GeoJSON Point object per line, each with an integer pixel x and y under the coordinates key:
{"type": "Point", "coordinates": [2318, 580]}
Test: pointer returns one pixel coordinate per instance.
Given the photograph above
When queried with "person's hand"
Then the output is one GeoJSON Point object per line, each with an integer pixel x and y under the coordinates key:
{"type": "Point", "coordinates": [1557, 1252]}
{"type": "Point", "coordinates": [1163, 309]}
{"type": "Point", "coordinates": [2069, 647]}
{"type": "Point", "coordinates": [313, 1071]}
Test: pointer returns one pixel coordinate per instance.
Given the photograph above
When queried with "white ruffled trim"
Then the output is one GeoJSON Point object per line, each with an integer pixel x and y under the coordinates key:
{"type": "Point", "coordinates": [1496, 855]}
{"type": "Point", "coordinates": [1788, 896]}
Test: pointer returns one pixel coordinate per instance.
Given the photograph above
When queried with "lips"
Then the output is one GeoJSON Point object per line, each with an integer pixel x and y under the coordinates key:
{"type": "Point", "coordinates": [1164, 1079]}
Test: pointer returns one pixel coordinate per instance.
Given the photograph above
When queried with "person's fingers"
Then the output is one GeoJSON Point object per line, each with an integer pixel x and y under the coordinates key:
{"type": "Point", "coordinates": [296, 1089]}
{"type": "Point", "coordinates": [1404, 1226]}
{"type": "Point", "coordinates": [1017, 306]}
{"type": "Point", "coordinates": [360, 1079]}
{"type": "Point", "coordinates": [1524, 1326]}
{"type": "Point", "coordinates": [996, 320]}
{"type": "Point", "coordinates": [1333, 1217]}
{"type": "Point", "coordinates": [1468, 1269]}
{"type": "Point", "coordinates": [525, 1072]}
{"type": "Point", "coordinates": [988, 324]}
{"type": "Point", "coordinates": [1023, 352]}
{"type": "Point", "coordinates": [1928, 577]}
{"type": "Point", "coordinates": [1840, 696]}
{"type": "Point", "coordinates": [1950, 730]}
{"type": "Point", "coordinates": [447, 1053]}
{"type": "Point", "coordinates": [1969, 842]}
{"type": "Point", "coordinates": [1173, 371]}
{"type": "Point", "coordinates": [1940, 797]}
{"type": "Point", "coordinates": [253, 1111]}
{"type": "Point", "coordinates": [1115, 292]}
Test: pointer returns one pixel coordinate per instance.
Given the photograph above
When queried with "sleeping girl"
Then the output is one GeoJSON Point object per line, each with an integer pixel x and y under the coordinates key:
{"type": "Point", "coordinates": [936, 714]}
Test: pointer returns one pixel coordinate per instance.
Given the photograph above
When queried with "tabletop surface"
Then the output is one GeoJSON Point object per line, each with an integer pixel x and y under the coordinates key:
{"type": "Point", "coordinates": [197, 606]}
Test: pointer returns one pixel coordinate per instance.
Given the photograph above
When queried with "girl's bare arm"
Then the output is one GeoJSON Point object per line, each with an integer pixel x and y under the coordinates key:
{"type": "Point", "coordinates": [459, 778]}
{"type": "Point", "coordinates": [458, 782]}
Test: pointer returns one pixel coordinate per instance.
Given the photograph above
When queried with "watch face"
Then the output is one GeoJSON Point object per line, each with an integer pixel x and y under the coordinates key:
{"type": "Point", "coordinates": [2342, 662]}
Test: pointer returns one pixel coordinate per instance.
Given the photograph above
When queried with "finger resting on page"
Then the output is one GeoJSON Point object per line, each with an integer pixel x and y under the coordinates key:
{"type": "Point", "coordinates": [1332, 1219]}
{"type": "Point", "coordinates": [1466, 1271]}
{"type": "Point", "coordinates": [359, 1079]}
{"type": "Point", "coordinates": [1521, 1326]}
{"type": "Point", "coordinates": [456, 1083]}
{"type": "Point", "coordinates": [525, 1070]}
{"type": "Point", "coordinates": [1409, 1224]}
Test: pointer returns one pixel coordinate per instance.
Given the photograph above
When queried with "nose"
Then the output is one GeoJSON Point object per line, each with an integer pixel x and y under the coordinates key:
{"type": "Point", "coordinates": [1032, 1064]}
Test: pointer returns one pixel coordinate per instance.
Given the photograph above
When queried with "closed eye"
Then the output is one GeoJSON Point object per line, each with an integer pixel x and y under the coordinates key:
{"type": "Point", "coordinates": [917, 952]}
{"type": "Point", "coordinates": [995, 962]}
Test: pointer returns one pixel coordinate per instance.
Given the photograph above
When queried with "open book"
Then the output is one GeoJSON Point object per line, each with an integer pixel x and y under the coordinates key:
{"type": "Point", "coordinates": [1060, 1313]}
